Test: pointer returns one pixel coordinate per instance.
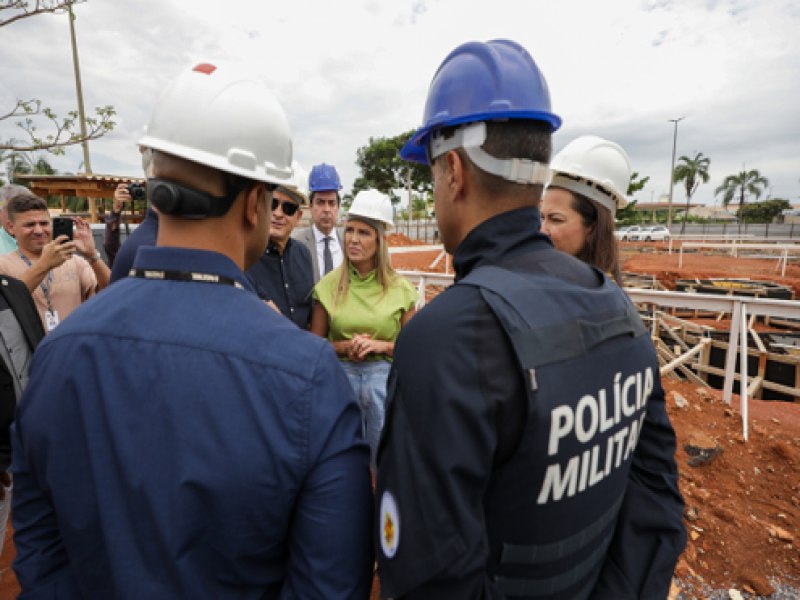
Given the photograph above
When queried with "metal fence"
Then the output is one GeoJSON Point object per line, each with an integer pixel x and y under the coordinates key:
{"type": "Point", "coordinates": [765, 230]}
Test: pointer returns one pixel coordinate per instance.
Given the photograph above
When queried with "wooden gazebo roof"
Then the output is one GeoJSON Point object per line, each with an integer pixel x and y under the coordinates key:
{"type": "Point", "coordinates": [82, 186]}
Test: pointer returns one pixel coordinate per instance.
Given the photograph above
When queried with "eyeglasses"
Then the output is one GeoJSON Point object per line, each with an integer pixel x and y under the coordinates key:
{"type": "Point", "coordinates": [289, 208]}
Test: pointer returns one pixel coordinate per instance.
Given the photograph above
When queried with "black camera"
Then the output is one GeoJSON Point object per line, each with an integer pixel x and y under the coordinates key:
{"type": "Point", "coordinates": [137, 191]}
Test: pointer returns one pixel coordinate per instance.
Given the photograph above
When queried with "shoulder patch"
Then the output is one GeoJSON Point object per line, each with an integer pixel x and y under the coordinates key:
{"type": "Point", "coordinates": [390, 525]}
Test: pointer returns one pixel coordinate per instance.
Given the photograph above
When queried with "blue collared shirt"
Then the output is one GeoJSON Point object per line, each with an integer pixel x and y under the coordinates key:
{"type": "Point", "coordinates": [286, 279]}
{"type": "Point", "coordinates": [182, 440]}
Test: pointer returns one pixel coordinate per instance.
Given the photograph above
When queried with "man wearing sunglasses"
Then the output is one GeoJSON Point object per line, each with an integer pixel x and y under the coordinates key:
{"type": "Point", "coordinates": [283, 275]}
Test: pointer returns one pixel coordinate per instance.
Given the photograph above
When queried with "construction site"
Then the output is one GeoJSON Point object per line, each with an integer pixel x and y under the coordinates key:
{"type": "Point", "coordinates": [707, 304]}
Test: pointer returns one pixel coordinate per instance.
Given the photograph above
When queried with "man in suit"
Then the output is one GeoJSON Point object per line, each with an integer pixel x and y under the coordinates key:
{"type": "Point", "coordinates": [323, 240]}
{"type": "Point", "coordinates": [20, 331]}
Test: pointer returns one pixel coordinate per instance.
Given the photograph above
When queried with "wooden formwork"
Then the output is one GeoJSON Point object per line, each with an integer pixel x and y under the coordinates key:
{"type": "Point", "coordinates": [690, 356]}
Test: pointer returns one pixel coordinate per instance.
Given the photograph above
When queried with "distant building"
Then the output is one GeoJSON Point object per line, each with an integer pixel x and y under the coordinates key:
{"type": "Point", "coordinates": [712, 213]}
{"type": "Point", "coordinates": [790, 215]}
{"type": "Point", "coordinates": [652, 212]}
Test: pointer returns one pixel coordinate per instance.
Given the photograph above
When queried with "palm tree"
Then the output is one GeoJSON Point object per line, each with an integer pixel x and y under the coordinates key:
{"type": "Point", "coordinates": [691, 171]}
{"type": "Point", "coordinates": [746, 182]}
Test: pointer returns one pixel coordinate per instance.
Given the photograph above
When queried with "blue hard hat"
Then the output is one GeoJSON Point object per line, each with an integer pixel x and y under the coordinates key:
{"type": "Point", "coordinates": [482, 82]}
{"type": "Point", "coordinates": [323, 178]}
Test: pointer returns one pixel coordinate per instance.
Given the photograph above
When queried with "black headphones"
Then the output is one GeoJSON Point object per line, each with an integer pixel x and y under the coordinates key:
{"type": "Point", "coordinates": [175, 199]}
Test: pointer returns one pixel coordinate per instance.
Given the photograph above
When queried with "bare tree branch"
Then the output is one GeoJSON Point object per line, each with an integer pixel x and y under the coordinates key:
{"type": "Point", "coordinates": [29, 9]}
{"type": "Point", "coordinates": [66, 129]}
{"type": "Point", "coordinates": [65, 134]}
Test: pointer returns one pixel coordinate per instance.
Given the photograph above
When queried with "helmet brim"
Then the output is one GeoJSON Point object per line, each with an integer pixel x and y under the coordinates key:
{"type": "Point", "coordinates": [415, 150]}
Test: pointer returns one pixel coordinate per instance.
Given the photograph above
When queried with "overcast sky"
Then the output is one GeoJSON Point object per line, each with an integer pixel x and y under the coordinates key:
{"type": "Point", "coordinates": [351, 69]}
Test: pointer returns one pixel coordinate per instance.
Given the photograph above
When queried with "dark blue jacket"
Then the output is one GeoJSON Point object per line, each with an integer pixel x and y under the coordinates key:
{"type": "Point", "coordinates": [144, 235]}
{"type": "Point", "coordinates": [286, 279]}
{"type": "Point", "coordinates": [453, 488]}
{"type": "Point", "coordinates": [16, 297]}
{"type": "Point", "coordinates": [183, 440]}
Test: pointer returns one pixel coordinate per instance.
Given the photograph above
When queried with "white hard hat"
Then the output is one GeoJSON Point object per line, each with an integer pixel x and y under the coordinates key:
{"type": "Point", "coordinates": [594, 167]}
{"type": "Point", "coordinates": [374, 205]}
{"type": "Point", "coordinates": [223, 117]}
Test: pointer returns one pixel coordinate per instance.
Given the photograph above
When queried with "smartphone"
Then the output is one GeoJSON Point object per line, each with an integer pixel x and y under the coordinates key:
{"type": "Point", "coordinates": [62, 226]}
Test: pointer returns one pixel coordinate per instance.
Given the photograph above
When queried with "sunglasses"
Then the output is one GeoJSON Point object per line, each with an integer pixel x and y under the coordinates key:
{"type": "Point", "coordinates": [289, 208]}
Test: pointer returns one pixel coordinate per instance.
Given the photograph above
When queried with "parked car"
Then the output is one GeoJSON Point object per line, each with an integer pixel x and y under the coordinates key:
{"type": "Point", "coordinates": [658, 233]}
{"type": "Point", "coordinates": [624, 233]}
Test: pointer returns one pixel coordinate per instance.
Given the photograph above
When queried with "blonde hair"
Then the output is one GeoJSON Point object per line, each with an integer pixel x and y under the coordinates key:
{"type": "Point", "coordinates": [384, 272]}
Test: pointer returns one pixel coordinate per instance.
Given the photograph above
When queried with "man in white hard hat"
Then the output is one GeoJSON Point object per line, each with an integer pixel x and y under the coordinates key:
{"type": "Point", "coordinates": [180, 439]}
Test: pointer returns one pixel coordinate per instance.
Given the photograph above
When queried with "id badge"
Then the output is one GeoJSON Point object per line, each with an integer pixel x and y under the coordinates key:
{"type": "Point", "coordinates": [51, 320]}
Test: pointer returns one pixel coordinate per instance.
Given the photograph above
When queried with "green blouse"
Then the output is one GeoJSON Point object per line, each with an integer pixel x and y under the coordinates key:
{"type": "Point", "coordinates": [365, 309]}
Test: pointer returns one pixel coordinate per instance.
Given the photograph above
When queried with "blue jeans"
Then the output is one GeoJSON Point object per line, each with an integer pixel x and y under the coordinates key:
{"type": "Point", "coordinates": [369, 383]}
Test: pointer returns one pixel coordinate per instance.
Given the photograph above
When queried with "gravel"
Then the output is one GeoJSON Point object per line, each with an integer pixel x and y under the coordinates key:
{"type": "Point", "coordinates": [691, 589]}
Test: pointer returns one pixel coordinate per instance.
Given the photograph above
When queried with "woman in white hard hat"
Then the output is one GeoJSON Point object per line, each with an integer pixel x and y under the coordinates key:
{"type": "Point", "coordinates": [589, 182]}
{"type": "Point", "coordinates": [362, 305]}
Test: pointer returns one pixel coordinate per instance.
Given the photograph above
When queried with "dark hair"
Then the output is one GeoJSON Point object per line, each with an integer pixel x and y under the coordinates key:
{"type": "Point", "coordinates": [515, 138]}
{"type": "Point", "coordinates": [600, 247]}
{"type": "Point", "coordinates": [24, 202]}
{"type": "Point", "coordinates": [311, 197]}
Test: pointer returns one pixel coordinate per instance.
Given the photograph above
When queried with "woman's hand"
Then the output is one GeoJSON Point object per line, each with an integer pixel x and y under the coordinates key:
{"type": "Point", "coordinates": [362, 344]}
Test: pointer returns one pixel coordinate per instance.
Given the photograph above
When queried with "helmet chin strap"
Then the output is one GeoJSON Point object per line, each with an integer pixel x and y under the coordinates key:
{"type": "Point", "coordinates": [471, 138]}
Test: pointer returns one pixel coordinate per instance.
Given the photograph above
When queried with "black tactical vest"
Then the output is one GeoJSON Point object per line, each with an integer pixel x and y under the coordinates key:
{"type": "Point", "coordinates": [589, 368]}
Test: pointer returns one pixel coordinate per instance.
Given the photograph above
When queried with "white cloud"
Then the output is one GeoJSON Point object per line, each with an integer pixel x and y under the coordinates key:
{"type": "Point", "coordinates": [349, 70]}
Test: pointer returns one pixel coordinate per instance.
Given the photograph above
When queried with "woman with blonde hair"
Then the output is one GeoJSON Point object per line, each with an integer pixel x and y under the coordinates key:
{"type": "Point", "coordinates": [362, 305]}
{"type": "Point", "coordinates": [589, 183]}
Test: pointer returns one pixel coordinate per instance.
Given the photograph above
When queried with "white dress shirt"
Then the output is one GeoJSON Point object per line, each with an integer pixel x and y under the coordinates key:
{"type": "Point", "coordinates": [333, 244]}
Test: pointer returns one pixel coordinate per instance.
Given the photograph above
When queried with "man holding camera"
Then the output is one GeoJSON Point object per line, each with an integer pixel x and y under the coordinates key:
{"type": "Point", "coordinates": [111, 237]}
{"type": "Point", "coordinates": [144, 235]}
{"type": "Point", "coordinates": [58, 280]}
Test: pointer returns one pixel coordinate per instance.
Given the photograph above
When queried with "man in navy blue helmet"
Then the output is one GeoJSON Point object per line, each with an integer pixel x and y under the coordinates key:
{"type": "Point", "coordinates": [179, 438]}
{"type": "Point", "coordinates": [323, 239]}
{"type": "Point", "coordinates": [527, 452]}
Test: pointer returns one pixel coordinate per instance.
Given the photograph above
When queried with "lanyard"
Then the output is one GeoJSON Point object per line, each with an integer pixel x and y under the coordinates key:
{"type": "Point", "coordinates": [185, 276]}
{"type": "Point", "coordinates": [45, 287]}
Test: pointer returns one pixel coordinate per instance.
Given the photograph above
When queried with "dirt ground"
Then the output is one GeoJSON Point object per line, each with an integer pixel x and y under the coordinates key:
{"type": "Point", "coordinates": [743, 505]}
{"type": "Point", "coordinates": [648, 260]}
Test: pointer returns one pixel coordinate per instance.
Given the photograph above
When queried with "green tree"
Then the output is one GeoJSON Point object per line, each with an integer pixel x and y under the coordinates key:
{"type": "Point", "coordinates": [384, 170]}
{"type": "Point", "coordinates": [764, 212]}
{"type": "Point", "coordinates": [23, 163]}
{"type": "Point", "coordinates": [743, 184]}
{"type": "Point", "coordinates": [420, 206]}
{"type": "Point", "coordinates": [692, 172]}
{"type": "Point", "coordinates": [64, 131]}
{"type": "Point", "coordinates": [637, 183]}
{"type": "Point", "coordinates": [628, 215]}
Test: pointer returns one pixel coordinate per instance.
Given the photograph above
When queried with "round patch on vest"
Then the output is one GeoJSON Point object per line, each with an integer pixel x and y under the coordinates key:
{"type": "Point", "coordinates": [390, 525]}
